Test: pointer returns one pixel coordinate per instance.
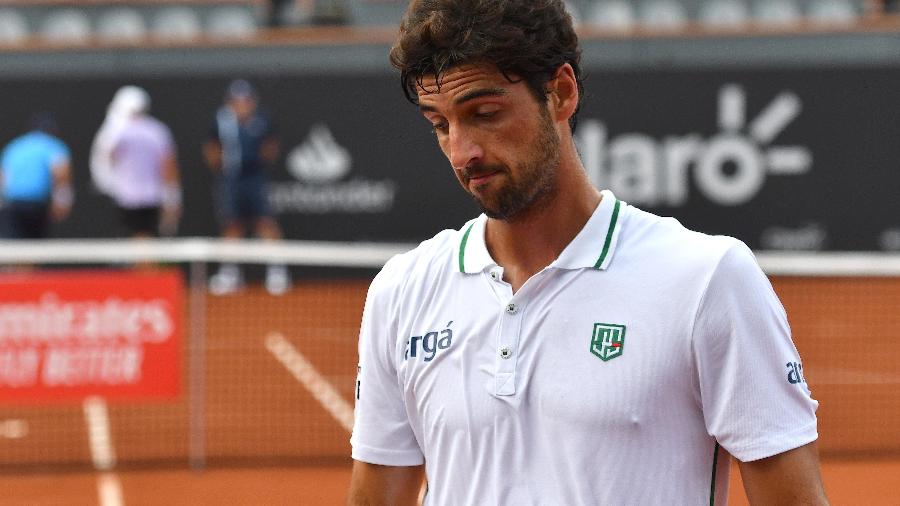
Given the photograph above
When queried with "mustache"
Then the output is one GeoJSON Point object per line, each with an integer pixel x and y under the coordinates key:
{"type": "Point", "coordinates": [480, 170]}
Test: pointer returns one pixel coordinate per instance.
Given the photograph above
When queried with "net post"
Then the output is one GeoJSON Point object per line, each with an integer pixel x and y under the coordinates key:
{"type": "Point", "coordinates": [197, 366]}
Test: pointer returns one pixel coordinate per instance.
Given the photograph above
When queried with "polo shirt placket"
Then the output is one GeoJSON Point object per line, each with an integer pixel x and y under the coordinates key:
{"type": "Point", "coordinates": [510, 330]}
{"type": "Point", "coordinates": [590, 249]}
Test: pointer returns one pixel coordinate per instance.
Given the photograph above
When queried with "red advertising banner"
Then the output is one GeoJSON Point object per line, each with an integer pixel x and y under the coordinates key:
{"type": "Point", "coordinates": [68, 335]}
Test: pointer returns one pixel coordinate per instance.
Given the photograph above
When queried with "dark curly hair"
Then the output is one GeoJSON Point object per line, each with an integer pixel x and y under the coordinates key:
{"type": "Point", "coordinates": [525, 39]}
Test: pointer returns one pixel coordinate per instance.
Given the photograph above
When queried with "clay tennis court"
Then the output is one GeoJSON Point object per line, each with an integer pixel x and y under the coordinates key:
{"type": "Point", "coordinates": [279, 379]}
{"type": "Point", "coordinates": [848, 482]}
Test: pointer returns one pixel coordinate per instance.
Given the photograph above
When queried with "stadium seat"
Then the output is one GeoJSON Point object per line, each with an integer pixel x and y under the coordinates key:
{"type": "Point", "coordinates": [231, 22]}
{"type": "Point", "coordinates": [121, 25]}
{"type": "Point", "coordinates": [176, 23]}
{"type": "Point", "coordinates": [13, 27]}
{"type": "Point", "coordinates": [724, 13]}
{"type": "Point", "coordinates": [67, 25]}
{"type": "Point", "coordinates": [775, 12]}
{"type": "Point", "coordinates": [662, 14]}
{"type": "Point", "coordinates": [611, 15]}
{"type": "Point", "coordinates": [832, 11]}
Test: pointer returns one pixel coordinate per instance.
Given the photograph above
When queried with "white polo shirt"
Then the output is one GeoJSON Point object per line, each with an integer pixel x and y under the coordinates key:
{"type": "Point", "coordinates": [618, 375]}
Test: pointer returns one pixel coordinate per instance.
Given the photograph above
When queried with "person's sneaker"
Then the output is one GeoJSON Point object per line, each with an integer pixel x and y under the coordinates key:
{"type": "Point", "coordinates": [225, 281]}
{"type": "Point", "coordinates": [278, 280]}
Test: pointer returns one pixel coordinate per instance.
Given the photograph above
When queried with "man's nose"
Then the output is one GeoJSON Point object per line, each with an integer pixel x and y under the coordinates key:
{"type": "Point", "coordinates": [463, 148]}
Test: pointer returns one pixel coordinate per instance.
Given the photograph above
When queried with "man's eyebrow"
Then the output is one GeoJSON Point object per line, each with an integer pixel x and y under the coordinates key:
{"type": "Point", "coordinates": [472, 95]}
{"type": "Point", "coordinates": [482, 92]}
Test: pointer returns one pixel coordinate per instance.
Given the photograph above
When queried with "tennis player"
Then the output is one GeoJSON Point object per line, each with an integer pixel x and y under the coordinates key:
{"type": "Point", "coordinates": [563, 348]}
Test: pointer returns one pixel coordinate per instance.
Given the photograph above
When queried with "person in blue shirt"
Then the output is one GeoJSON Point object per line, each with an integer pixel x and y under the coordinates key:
{"type": "Point", "coordinates": [36, 179]}
{"type": "Point", "coordinates": [240, 150]}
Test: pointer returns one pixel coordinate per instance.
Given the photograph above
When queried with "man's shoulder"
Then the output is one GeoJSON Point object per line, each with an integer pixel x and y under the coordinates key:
{"type": "Point", "coordinates": [33, 139]}
{"type": "Point", "coordinates": [427, 260]}
{"type": "Point", "coordinates": [16, 143]}
{"type": "Point", "coordinates": [429, 254]}
{"type": "Point", "coordinates": [37, 140]}
{"type": "Point", "coordinates": [649, 234]}
{"type": "Point", "coordinates": [58, 142]}
{"type": "Point", "coordinates": [260, 124]}
{"type": "Point", "coordinates": [156, 124]}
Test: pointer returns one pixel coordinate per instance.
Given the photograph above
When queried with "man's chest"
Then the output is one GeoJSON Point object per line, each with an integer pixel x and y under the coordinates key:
{"type": "Point", "coordinates": [569, 351]}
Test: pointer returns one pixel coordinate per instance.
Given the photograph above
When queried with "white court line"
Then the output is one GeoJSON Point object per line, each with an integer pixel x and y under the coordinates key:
{"type": "Point", "coordinates": [97, 418]}
{"type": "Point", "coordinates": [103, 455]}
{"type": "Point", "coordinates": [302, 369]}
{"type": "Point", "coordinates": [109, 490]}
{"type": "Point", "coordinates": [316, 384]}
{"type": "Point", "coordinates": [13, 428]}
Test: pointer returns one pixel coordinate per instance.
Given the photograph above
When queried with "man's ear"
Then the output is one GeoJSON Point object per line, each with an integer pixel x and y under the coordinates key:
{"type": "Point", "coordinates": [563, 93]}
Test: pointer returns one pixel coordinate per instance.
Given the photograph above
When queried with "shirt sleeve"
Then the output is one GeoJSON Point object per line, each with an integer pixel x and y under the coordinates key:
{"type": "Point", "coordinates": [58, 155]}
{"type": "Point", "coordinates": [381, 430]}
{"type": "Point", "coordinates": [169, 147]}
{"type": "Point", "coordinates": [755, 400]}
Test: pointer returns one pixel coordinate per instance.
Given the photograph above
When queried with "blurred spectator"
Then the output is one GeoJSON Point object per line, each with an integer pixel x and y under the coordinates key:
{"type": "Point", "coordinates": [37, 179]}
{"type": "Point", "coordinates": [241, 147]}
{"type": "Point", "coordinates": [292, 12]}
{"type": "Point", "coordinates": [133, 160]}
{"type": "Point", "coordinates": [278, 12]}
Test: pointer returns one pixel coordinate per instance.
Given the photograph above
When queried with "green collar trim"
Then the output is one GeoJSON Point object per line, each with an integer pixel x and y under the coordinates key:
{"type": "Point", "coordinates": [462, 249]}
{"type": "Point", "coordinates": [609, 235]}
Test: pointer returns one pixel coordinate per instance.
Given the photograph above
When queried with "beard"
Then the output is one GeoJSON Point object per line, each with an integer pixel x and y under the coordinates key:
{"type": "Point", "coordinates": [533, 182]}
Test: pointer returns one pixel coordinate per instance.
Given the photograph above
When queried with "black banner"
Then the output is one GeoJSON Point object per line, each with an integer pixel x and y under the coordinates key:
{"type": "Point", "coordinates": [782, 159]}
{"type": "Point", "coordinates": [358, 161]}
{"type": "Point", "coordinates": [790, 159]}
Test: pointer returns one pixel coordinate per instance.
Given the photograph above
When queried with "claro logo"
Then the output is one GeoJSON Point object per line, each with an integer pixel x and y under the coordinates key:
{"type": "Point", "coordinates": [728, 168]}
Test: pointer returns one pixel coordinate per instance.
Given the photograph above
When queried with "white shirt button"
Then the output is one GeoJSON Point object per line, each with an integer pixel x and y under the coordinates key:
{"type": "Point", "coordinates": [512, 308]}
{"type": "Point", "coordinates": [505, 352]}
{"type": "Point", "coordinates": [494, 275]}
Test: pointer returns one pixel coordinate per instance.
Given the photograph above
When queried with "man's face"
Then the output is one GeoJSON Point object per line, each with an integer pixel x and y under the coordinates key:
{"type": "Point", "coordinates": [501, 142]}
{"type": "Point", "coordinates": [243, 106]}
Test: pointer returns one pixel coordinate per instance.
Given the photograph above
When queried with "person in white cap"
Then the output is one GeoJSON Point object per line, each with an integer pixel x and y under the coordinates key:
{"type": "Point", "coordinates": [563, 348]}
{"type": "Point", "coordinates": [134, 160]}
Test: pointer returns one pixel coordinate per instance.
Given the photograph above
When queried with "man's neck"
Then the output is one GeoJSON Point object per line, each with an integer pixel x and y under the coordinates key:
{"type": "Point", "coordinates": [531, 241]}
